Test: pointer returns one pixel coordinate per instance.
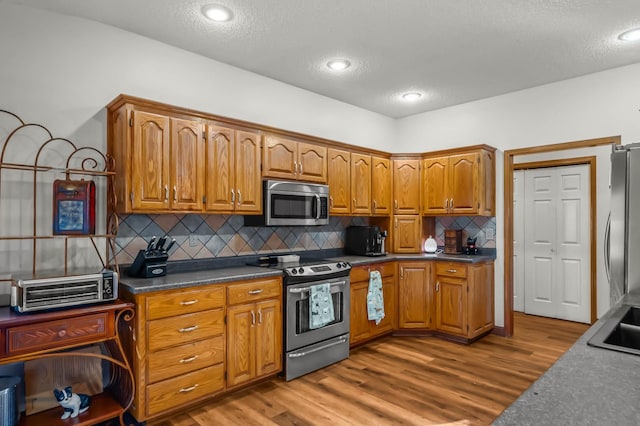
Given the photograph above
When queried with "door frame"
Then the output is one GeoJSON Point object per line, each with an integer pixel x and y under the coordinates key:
{"type": "Point", "coordinates": [508, 213]}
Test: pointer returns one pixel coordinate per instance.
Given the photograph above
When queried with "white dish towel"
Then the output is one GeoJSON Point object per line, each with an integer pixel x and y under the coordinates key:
{"type": "Point", "coordinates": [375, 297]}
{"type": "Point", "coordinates": [320, 306]}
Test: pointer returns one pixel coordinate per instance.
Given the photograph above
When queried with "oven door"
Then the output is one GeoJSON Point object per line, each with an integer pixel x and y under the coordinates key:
{"type": "Point", "coordinates": [298, 321]}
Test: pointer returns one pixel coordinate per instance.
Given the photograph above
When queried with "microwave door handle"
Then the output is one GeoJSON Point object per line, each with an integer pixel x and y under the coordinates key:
{"type": "Point", "coordinates": [317, 206]}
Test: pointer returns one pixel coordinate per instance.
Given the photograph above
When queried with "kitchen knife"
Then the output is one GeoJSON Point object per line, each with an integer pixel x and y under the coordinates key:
{"type": "Point", "coordinates": [173, 241]}
{"type": "Point", "coordinates": [161, 243]}
{"type": "Point", "coordinates": [150, 245]}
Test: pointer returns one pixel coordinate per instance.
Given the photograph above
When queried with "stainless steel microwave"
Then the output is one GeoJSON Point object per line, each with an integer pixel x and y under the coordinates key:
{"type": "Point", "coordinates": [292, 204]}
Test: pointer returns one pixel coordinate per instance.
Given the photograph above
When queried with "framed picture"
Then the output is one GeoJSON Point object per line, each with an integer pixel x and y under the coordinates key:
{"type": "Point", "coordinates": [74, 204]}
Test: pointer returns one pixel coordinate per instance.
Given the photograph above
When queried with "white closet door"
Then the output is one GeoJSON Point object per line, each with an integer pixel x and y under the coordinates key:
{"type": "Point", "coordinates": [557, 240]}
{"type": "Point", "coordinates": [518, 240]}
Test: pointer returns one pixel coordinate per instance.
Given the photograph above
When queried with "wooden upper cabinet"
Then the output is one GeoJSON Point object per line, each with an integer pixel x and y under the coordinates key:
{"type": "Point", "coordinates": [312, 163]}
{"type": "Point", "coordinates": [360, 184]}
{"type": "Point", "coordinates": [380, 186]}
{"type": "Point", "coordinates": [460, 184]}
{"type": "Point", "coordinates": [339, 179]}
{"type": "Point", "coordinates": [187, 162]}
{"type": "Point", "coordinates": [406, 186]}
{"type": "Point", "coordinates": [150, 146]}
{"type": "Point", "coordinates": [233, 180]}
{"type": "Point", "coordinates": [286, 159]}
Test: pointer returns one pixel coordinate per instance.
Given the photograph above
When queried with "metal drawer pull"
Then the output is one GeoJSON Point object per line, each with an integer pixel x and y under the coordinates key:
{"type": "Point", "coordinates": [303, 289]}
{"type": "Point", "coordinates": [258, 291]}
{"type": "Point", "coordinates": [188, 360]}
{"type": "Point", "coordinates": [453, 271]}
{"type": "Point", "coordinates": [301, 354]}
{"type": "Point", "coordinates": [189, 389]}
{"type": "Point", "coordinates": [188, 329]}
{"type": "Point", "coordinates": [189, 302]}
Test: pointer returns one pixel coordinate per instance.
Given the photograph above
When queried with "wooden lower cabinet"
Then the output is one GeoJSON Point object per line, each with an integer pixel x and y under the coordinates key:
{"type": "Point", "coordinates": [254, 330]}
{"type": "Point", "coordinates": [464, 298]}
{"type": "Point", "coordinates": [415, 295]}
{"type": "Point", "coordinates": [361, 328]}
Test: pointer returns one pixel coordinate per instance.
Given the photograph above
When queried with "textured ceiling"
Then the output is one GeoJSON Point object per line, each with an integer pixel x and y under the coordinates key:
{"type": "Point", "coordinates": [454, 51]}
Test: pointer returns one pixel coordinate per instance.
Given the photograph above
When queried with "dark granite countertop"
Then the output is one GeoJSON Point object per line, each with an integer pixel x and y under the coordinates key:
{"type": "Point", "coordinates": [586, 386]}
{"type": "Point", "coordinates": [225, 272]}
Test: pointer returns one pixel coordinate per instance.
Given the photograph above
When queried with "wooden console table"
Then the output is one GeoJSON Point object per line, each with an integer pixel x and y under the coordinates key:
{"type": "Point", "coordinates": [31, 336]}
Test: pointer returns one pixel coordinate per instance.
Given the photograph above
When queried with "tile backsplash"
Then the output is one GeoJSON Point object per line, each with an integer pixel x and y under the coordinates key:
{"type": "Point", "coordinates": [472, 226]}
{"type": "Point", "coordinates": [212, 236]}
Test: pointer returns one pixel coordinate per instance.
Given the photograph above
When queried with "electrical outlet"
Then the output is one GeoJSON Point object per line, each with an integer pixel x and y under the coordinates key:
{"type": "Point", "coordinates": [489, 233]}
{"type": "Point", "coordinates": [193, 240]}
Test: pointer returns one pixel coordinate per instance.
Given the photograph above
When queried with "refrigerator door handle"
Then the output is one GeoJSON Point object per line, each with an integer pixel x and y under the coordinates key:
{"type": "Point", "coordinates": [607, 248]}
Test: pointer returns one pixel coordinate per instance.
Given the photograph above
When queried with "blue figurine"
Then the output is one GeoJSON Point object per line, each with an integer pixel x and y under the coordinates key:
{"type": "Point", "coordinates": [73, 403]}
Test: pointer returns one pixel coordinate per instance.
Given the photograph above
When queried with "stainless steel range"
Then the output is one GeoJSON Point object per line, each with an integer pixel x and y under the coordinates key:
{"type": "Point", "coordinates": [311, 343]}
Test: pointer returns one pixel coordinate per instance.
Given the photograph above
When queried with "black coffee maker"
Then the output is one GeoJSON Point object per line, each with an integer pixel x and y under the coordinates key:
{"type": "Point", "coordinates": [365, 241]}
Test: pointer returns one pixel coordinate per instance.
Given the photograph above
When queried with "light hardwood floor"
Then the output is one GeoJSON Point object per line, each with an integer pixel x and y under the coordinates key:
{"type": "Point", "coordinates": [402, 381]}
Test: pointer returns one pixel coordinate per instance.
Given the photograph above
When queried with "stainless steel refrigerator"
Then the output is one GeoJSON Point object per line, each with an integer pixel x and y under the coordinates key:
{"type": "Point", "coordinates": [622, 241]}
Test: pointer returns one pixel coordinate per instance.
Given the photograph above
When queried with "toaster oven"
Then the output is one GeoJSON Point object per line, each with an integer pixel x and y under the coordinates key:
{"type": "Point", "coordinates": [36, 293]}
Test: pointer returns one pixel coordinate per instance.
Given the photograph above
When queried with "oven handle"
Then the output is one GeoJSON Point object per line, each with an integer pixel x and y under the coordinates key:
{"type": "Point", "coordinates": [303, 289]}
{"type": "Point", "coordinates": [301, 354]}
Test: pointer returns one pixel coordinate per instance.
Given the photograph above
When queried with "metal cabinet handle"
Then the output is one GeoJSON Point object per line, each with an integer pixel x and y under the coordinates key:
{"type": "Point", "coordinates": [331, 201]}
{"type": "Point", "coordinates": [395, 203]}
{"type": "Point", "coordinates": [446, 204]}
{"type": "Point", "coordinates": [437, 286]}
{"type": "Point", "coordinates": [396, 222]}
{"type": "Point", "coordinates": [453, 271]}
{"type": "Point", "coordinates": [188, 329]}
{"type": "Point", "coordinates": [189, 389]}
{"type": "Point", "coordinates": [353, 203]}
{"type": "Point", "coordinates": [258, 291]}
{"type": "Point", "coordinates": [239, 197]}
{"type": "Point", "coordinates": [375, 205]}
{"type": "Point", "coordinates": [301, 172]}
{"type": "Point", "coordinates": [189, 302]}
{"type": "Point", "coordinates": [295, 168]}
{"type": "Point", "coordinates": [253, 318]}
{"type": "Point", "coordinates": [175, 193]}
{"type": "Point", "coordinates": [451, 204]}
{"type": "Point", "coordinates": [166, 193]}
{"type": "Point", "coordinates": [233, 196]}
{"type": "Point", "coordinates": [260, 317]}
{"type": "Point", "coordinates": [188, 360]}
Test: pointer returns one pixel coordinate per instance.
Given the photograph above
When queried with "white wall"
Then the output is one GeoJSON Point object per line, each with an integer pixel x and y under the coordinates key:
{"type": "Point", "coordinates": [61, 71]}
{"type": "Point", "coordinates": [592, 106]}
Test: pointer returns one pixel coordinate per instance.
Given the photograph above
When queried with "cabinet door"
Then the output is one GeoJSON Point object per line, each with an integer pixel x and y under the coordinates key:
{"type": "Point", "coordinates": [241, 365]}
{"type": "Point", "coordinates": [312, 163]}
{"type": "Point", "coordinates": [487, 183]}
{"type": "Point", "coordinates": [451, 302]}
{"type": "Point", "coordinates": [360, 184]}
{"type": "Point", "coordinates": [268, 347]}
{"type": "Point", "coordinates": [381, 186]}
{"type": "Point", "coordinates": [248, 194]}
{"type": "Point", "coordinates": [406, 186]}
{"type": "Point", "coordinates": [220, 169]}
{"type": "Point", "coordinates": [481, 302]}
{"type": "Point", "coordinates": [407, 235]}
{"type": "Point", "coordinates": [279, 158]}
{"type": "Point", "coordinates": [339, 175]}
{"type": "Point", "coordinates": [150, 162]}
{"type": "Point", "coordinates": [187, 165]}
{"type": "Point", "coordinates": [435, 181]}
{"type": "Point", "coordinates": [463, 183]}
{"type": "Point", "coordinates": [358, 319]}
{"type": "Point", "coordinates": [415, 297]}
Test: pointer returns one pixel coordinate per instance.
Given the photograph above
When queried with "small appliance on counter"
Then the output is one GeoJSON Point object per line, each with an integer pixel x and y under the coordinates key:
{"type": "Point", "coordinates": [430, 245]}
{"type": "Point", "coordinates": [152, 262]}
{"type": "Point", "coordinates": [453, 241]}
{"type": "Point", "coordinates": [471, 248]}
{"type": "Point", "coordinates": [365, 241]}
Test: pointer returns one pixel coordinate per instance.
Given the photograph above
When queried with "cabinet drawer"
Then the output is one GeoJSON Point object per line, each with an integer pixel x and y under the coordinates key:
{"type": "Point", "coordinates": [256, 290]}
{"type": "Point", "coordinates": [185, 358]}
{"type": "Point", "coordinates": [361, 273]}
{"type": "Point", "coordinates": [182, 329]}
{"type": "Point", "coordinates": [185, 302]}
{"type": "Point", "coordinates": [44, 335]}
{"type": "Point", "coordinates": [451, 269]}
{"type": "Point", "coordinates": [175, 392]}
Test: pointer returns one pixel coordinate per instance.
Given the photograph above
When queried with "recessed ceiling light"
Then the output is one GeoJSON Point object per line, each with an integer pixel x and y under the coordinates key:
{"type": "Point", "coordinates": [338, 64]}
{"type": "Point", "coordinates": [411, 96]}
{"type": "Point", "coordinates": [631, 35]}
{"type": "Point", "coordinates": [217, 12]}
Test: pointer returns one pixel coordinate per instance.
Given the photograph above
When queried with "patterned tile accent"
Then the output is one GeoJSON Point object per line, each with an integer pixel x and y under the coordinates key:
{"type": "Point", "coordinates": [207, 236]}
{"type": "Point", "coordinates": [472, 226]}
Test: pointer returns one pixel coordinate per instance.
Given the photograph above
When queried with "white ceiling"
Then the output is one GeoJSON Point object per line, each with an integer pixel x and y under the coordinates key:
{"type": "Point", "coordinates": [454, 51]}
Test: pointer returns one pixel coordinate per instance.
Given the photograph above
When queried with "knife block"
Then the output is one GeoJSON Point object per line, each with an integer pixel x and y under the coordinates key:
{"type": "Point", "coordinates": [149, 264]}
